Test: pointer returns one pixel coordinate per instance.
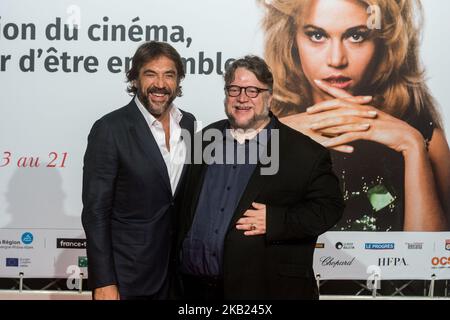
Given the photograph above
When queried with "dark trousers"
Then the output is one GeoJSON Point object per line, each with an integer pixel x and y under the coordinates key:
{"type": "Point", "coordinates": [200, 288]}
{"type": "Point", "coordinates": [161, 294]}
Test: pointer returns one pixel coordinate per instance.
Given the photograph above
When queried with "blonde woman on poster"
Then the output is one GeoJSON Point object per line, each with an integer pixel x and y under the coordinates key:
{"type": "Point", "coordinates": [347, 73]}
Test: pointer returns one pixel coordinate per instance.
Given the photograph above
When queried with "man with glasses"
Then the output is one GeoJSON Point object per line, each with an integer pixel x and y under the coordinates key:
{"type": "Point", "coordinates": [246, 233]}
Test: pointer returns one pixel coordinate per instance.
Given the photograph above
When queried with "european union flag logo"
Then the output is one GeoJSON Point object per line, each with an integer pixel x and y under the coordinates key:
{"type": "Point", "coordinates": [12, 262]}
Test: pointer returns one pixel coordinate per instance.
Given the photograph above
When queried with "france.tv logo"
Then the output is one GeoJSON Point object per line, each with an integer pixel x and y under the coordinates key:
{"type": "Point", "coordinates": [27, 238]}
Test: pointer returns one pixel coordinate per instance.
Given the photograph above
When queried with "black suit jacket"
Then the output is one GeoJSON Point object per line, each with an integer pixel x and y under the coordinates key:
{"type": "Point", "coordinates": [303, 201]}
{"type": "Point", "coordinates": [128, 207]}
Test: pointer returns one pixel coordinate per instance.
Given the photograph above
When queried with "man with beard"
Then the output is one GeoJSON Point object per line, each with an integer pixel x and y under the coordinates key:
{"type": "Point", "coordinates": [247, 233]}
{"type": "Point", "coordinates": [133, 166]}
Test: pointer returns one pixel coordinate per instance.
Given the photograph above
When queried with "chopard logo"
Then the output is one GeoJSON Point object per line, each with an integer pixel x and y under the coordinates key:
{"type": "Point", "coordinates": [332, 262]}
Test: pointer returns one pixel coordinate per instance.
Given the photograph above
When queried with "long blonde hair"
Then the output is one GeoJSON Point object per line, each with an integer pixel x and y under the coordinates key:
{"type": "Point", "coordinates": [398, 78]}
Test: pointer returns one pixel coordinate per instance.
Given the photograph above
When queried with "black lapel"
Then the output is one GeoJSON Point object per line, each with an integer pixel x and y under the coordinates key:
{"type": "Point", "coordinates": [254, 187]}
{"type": "Point", "coordinates": [186, 123]}
{"type": "Point", "coordinates": [144, 136]}
{"type": "Point", "coordinates": [199, 170]}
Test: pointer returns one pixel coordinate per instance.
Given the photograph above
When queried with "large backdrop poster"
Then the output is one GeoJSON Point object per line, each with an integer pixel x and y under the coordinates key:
{"type": "Point", "coordinates": [62, 66]}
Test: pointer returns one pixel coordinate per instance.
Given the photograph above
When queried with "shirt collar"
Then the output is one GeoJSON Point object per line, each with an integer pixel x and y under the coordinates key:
{"type": "Point", "coordinates": [242, 136]}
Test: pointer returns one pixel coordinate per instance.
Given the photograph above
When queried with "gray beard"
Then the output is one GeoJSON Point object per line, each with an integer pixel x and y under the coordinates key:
{"type": "Point", "coordinates": [256, 118]}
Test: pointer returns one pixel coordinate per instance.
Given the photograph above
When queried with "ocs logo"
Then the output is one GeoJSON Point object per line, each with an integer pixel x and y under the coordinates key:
{"type": "Point", "coordinates": [440, 261]}
{"type": "Point", "coordinates": [27, 238]}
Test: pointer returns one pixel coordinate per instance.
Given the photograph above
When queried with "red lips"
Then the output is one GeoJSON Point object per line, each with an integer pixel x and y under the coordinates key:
{"type": "Point", "coordinates": [339, 81]}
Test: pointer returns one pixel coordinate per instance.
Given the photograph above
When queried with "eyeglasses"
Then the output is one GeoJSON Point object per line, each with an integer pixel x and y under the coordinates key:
{"type": "Point", "coordinates": [251, 92]}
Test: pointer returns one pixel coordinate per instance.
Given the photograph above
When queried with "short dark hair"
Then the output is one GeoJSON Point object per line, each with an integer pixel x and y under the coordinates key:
{"type": "Point", "coordinates": [149, 51]}
{"type": "Point", "coordinates": [254, 64]}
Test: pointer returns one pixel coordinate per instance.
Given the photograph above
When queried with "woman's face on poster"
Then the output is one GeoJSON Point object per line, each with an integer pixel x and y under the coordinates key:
{"type": "Point", "coordinates": [334, 45]}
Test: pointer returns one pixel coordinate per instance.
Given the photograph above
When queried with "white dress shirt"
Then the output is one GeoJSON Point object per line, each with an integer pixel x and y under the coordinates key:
{"type": "Point", "coordinates": [175, 158]}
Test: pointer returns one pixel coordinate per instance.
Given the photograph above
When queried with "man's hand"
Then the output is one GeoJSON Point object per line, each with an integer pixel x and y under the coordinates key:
{"type": "Point", "coordinates": [107, 293]}
{"type": "Point", "coordinates": [254, 221]}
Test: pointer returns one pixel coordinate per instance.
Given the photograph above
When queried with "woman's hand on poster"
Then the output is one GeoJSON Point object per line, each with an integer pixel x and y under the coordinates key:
{"type": "Point", "coordinates": [344, 108]}
{"type": "Point", "coordinates": [347, 119]}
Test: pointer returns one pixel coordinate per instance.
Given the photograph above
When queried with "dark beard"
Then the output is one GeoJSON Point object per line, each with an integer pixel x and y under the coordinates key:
{"type": "Point", "coordinates": [146, 102]}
